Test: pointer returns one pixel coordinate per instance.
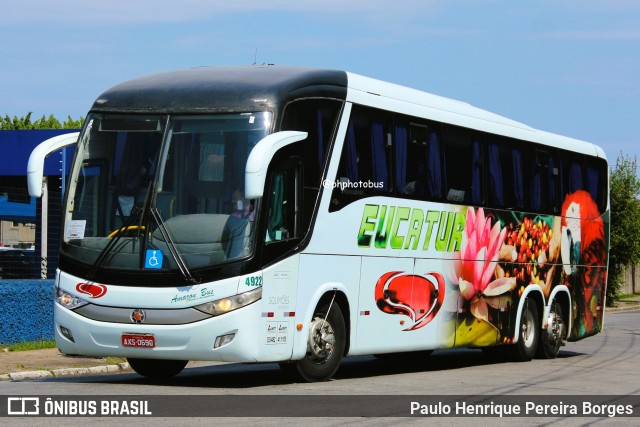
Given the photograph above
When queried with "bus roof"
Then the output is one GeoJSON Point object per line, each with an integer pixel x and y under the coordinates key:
{"type": "Point", "coordinates": [221, 89]}
{"type": "Point", "coordinates": [372, 92]}
{"type": "Point", "coordinates": [264, 87]}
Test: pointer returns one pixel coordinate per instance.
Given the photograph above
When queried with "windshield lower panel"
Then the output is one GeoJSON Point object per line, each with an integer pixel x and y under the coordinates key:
{"type": "Point", "coordinates": [159, 193]}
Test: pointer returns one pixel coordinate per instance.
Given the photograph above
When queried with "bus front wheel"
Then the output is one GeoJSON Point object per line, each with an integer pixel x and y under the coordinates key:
{"type": "Point", "coordinates": [157, 369]}
{"type": "Point", "coordinates": [325, 344]}
{"type": "Point", "coordinates": [528, 335]}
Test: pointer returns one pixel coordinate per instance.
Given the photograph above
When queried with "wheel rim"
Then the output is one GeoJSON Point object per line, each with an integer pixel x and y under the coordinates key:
{"type": "Point", "coordinates": [555, 327]}
{"type": "Point", "coordinates": [528, 329]}
{"type": "Point", "coordinates": [321, 341]}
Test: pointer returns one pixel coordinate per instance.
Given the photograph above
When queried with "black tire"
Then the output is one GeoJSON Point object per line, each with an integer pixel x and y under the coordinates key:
{"type": "Point", "coordinates": [157, 369]}
{"type": "Point", "coordinates": [325, 344]}
{"type": "Point", "coordinates": [551, 337]}
{"type": "Point", "coordinates": [528, 335]}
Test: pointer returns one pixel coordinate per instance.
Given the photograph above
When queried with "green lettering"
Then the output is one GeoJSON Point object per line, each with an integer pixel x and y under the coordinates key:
{"type": "Point", "coordinates": [431, 220]}
{"type": "Point", "coordinates": [415, 227]}
{"type": "Point", "coordinates": [456, 233]}
{"type": "Point", "coordinates": [402, 214]}
{"type": "Point", "coordinates": [382, 235]}
{"type": "Point", "coordinates": [444, 230]}
{"type": "Point", "coordinates": [370, 212]}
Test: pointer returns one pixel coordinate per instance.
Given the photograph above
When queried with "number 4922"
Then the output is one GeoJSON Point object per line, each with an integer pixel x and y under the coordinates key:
{"type": "Point", "coordinates": [253, 281]}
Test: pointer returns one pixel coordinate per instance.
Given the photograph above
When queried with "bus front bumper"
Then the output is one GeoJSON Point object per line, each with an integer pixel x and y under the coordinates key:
{"type": "Point", "coordinates": [79, 335]}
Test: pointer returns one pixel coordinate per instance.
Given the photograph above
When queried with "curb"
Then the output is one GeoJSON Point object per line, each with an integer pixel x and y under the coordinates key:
{"type": "Point", "coordinates": [66, 372]}
{"type": "Point", "coordinates": [623, 308]}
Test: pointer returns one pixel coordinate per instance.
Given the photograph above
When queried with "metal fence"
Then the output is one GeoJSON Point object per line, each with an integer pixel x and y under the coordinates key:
{"type": "Point", "coordinates": [29, 232]}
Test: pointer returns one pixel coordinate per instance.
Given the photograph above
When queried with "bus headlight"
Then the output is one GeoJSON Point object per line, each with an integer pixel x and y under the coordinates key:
{"type": "Point", "coordinates": [68, 300]}
{"type": "Point", "coordinates": [226, 305]}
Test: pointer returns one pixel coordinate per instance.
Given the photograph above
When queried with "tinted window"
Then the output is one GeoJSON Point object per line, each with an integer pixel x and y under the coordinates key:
{"type": "Point", "coordinates": [317, 117]}
{"type": "Point", "coordinates": [365, 162]}
{"type": "Point", "coordinates": [462, 162]}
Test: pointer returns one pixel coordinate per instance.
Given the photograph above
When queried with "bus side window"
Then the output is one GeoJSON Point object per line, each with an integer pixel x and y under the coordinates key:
{"type": "Point", "coordinates": [572, 170]}
{"type": "Point", "coordinates": [507, 174]}
{"type": "Point", "coordinates": [434, 167]}
{"type": "Point", "coordinates": [317, 117]}
{"type": "Point", "coordinates": [418, 161]}
{"type": "Point", "coordinates": [596, 181]}
{"type": "Point", "coordinates": [462, 167]}
{"type": "Point", "coordinates": [540, 188]}
{"type": "Point", "coordinates": [283, 214]}
{"type": "Point", "coordinates": [496, 186]}
{"type": "Point", "coordinates": [365, 162]}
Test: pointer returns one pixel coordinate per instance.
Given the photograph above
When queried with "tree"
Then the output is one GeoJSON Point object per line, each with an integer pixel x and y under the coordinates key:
{"type": "Point", "coordinates": [25, 123]}
{"type": "Point", "coordinates": [625, 222]}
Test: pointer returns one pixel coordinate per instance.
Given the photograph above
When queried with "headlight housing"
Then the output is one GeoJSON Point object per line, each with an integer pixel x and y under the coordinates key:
{"type": "Point", "coordinates": [225, 305]}
{"type": "Point", "coordinates": [68, 300]}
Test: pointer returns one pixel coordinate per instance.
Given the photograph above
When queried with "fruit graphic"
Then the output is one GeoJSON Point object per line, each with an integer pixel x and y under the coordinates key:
{"type": "Point", "coordinates": [418, 297]}
{"type": "Point", "coordinates": [528, 243]}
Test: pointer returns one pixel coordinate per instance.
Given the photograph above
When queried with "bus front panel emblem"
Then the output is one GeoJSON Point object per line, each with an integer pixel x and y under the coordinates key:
{"type": "Point", "coordinates": [138, 316]}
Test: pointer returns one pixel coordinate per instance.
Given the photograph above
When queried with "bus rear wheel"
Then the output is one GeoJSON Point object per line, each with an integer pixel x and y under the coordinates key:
{"type": "Point", "coordinates": [552, 336]}
{"type": "Point", "coordinates": [157, 369]}
{"type": "Point", "coordinates": [528, 335]}
{"type": "Point", "coordinates": [325, 344]}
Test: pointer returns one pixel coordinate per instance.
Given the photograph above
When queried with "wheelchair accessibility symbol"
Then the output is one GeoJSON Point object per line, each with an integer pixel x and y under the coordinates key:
{"type": "Point", "coordinates": [153, 259]}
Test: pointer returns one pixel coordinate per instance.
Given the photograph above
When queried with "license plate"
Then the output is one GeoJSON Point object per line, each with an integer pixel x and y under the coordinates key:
{"type": "Point", "coordinates": [138, 340]}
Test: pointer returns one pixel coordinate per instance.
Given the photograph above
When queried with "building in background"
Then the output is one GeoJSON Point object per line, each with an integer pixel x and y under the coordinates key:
{"type": "Point", "coordinates": [20, 214]}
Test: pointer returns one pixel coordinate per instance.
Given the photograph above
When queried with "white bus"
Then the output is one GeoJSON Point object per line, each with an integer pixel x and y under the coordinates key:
{"type": "Point", "coordinates": [291, 215]}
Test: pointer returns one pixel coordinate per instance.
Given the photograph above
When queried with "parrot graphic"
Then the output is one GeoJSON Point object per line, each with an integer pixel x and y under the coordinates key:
{"type": "Point", "coordinates": [584, 259]}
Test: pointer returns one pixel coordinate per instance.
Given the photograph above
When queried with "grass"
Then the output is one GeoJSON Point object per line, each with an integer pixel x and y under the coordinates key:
{"type": "Point", "coordinates": [628, 296]}
{"type": "Point", "coordinates": [30, 345]}
{"type": "Point", "coordinates": [38, 345]}
{"type": "Point", "coordinates": [114, 360]}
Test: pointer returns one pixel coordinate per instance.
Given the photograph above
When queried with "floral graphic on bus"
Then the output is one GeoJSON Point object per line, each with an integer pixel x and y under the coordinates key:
{"type": "Point", "coordinates": [419, 297]}
{"type": "Point", "coordinates": [475, 270]}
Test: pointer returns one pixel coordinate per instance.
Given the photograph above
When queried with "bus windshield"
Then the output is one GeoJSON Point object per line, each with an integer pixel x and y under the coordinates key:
{"type": "Point", "coordinates": [155, 192]}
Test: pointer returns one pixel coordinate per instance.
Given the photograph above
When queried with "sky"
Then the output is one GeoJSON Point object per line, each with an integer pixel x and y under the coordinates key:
{"type": "Point", "coordinates": [570, 67]}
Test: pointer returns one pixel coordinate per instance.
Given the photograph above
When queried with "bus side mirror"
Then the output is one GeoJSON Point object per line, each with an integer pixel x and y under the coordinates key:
{"type": "Point", "coordinates": [260, 158]}
{"type": "Point", "coordinates": [35, 167]}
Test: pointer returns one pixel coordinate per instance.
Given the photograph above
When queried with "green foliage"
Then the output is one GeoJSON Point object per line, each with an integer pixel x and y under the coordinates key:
{"type": "Point", "coordinates": [625, 222]}
{"type": "Point", "coordinates": [25, 123]}
{"type": "Point", "coordinates": [31, 345]}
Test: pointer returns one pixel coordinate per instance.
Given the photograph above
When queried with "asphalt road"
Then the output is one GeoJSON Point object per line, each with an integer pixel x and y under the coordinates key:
{"type": "Point", "coordinates": [606, 364]}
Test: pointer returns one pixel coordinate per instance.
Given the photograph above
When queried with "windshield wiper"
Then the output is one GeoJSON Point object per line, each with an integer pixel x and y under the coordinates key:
{"type": "Point", "coordinates": [136, 212]}
{"type": "Point", "coordinates": [139, 213]}
{"type": "Point", "coordinates": [155, 214]}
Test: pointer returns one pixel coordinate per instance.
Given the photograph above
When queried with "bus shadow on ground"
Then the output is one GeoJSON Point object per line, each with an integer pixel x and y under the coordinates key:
{"type": "Point", "coordinates": [446, 360]}
{"type": "Point", "coordinates": [243, 376]}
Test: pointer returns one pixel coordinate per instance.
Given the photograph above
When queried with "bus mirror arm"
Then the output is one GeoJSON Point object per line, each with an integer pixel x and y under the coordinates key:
{"type": "Point", "coordinates": [260, 158]}
{"type": "Point", "coordinates": [35, 167]}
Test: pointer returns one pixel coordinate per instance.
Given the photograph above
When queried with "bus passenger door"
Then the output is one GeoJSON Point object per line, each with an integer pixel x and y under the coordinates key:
{"type": "Point", "coordinates": [281, 232]}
